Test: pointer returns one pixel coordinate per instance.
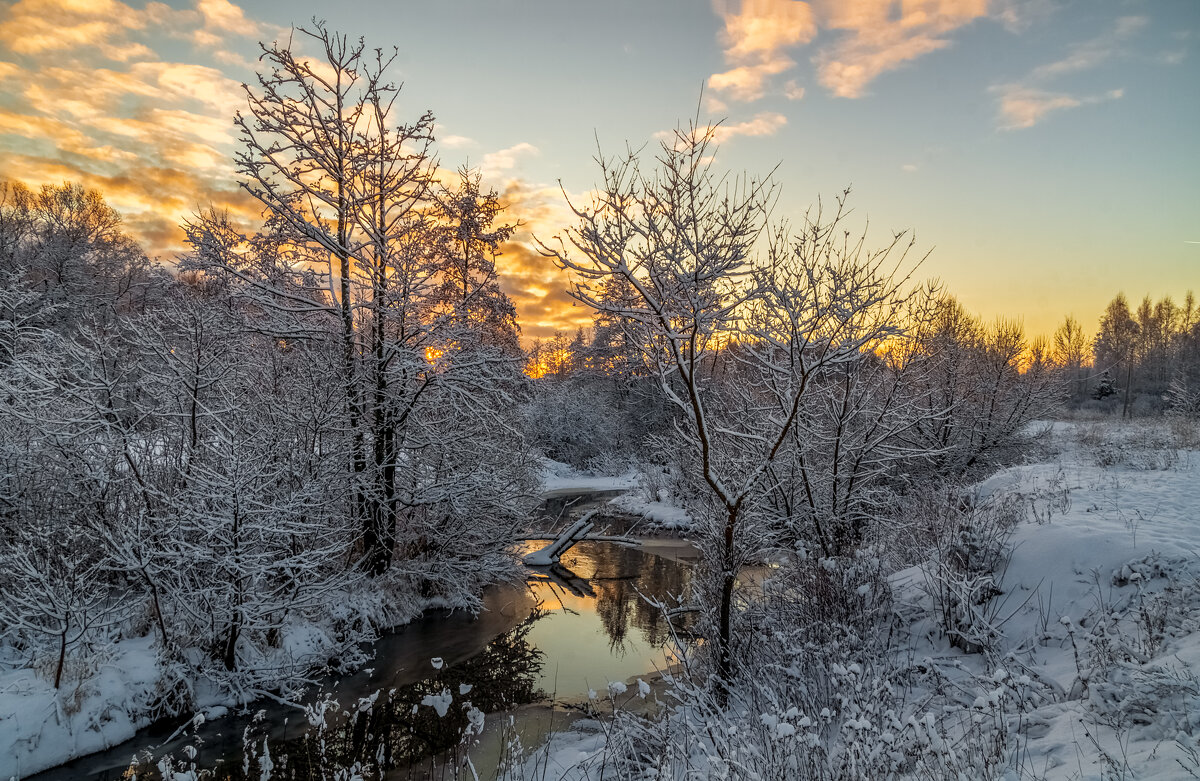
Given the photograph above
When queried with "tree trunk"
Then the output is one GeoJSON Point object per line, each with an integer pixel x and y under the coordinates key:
{"type": "Point", "coordinates": [235, 629]}
{"type": "Point", "coordinates": [725, 618]}
{"type": "Point", "coordinates": [1125, 413]}
{"type": "Point", "coordinates": [62, 655]}
{"type": "Point", "coordinates": [158, 616]}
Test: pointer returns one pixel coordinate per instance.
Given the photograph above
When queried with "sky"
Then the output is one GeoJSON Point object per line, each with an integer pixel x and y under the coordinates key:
{"type": "Point", "coordinates": [1046, 152]}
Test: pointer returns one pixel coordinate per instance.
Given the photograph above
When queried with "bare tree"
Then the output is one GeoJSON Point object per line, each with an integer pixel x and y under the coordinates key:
{"type": "Point", "coordinates": [980, 387]}
{"type": "Point", "coordinates": [57, 589]}
{"type": "Point", "coordinates": [1070, 353]}
{"type": "Point", "coordinates": [684, 238]}
{"type": "Point", "coordinates": [365, 245]}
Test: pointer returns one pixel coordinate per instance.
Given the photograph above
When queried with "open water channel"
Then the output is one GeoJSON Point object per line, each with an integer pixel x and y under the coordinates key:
{"type": "Point", "coordinates": [538, 643]}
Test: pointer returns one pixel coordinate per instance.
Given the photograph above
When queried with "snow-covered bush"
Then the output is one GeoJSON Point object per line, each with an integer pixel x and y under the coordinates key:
{"type": "Point", "coordinates": [969, 545]}
{"type": "Point", "coordinates": [823, 693]}
{"type": "Point", "coordinates": [1156, 702]}
{"type": "Point", "coordinates": [1148, 445]}
{"type": "Point", "coordinates": [572, 422]}
{"type": "Point", "coordinates": [590, 416]}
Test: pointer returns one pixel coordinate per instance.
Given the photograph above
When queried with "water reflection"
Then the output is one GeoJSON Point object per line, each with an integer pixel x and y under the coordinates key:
{"type": "Point", "coordinates": [396, 729]}
{"type": "Point", "coordinates": [572, 628]}
{"type": "Point", "coordinates": [604, 631]}
{"type": "Point", "coordinates": [619, 577]}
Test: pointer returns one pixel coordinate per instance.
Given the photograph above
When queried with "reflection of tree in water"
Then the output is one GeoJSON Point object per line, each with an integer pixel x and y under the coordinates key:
{"type": "Point", "coordinates": [503, 676]}
{"type": "Point", "coordinates": [391, 737]}
{"type": "Point", "coordinates": [616, 577]}
{"type": "Point", "coordinates": [398, 731]}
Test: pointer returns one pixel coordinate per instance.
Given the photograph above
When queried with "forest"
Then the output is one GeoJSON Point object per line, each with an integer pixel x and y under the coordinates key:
{"type": "Point", "coordinates": [234, 469]}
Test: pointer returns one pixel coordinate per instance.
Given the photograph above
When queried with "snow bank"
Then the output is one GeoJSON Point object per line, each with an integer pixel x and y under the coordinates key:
{"type": "Point", "coordinates": [1100, 604]}
{"type": "Point", "coordinates": [41, 727]}
{"type": "Point", "coordinates": [123, 689]}
{"type": "Point", "coordinates": [664, 515]}
{"type": "Point", "coordinates": [559, 479]}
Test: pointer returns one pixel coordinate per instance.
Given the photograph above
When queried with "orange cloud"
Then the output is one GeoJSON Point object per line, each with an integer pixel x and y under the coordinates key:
{"type": "Point", "coordinates": [539, 291]}
{"type": "Point", "coordinates": [755, 34]}
{"type": "Point", "coordinates": [40, 26]}
{"type": "Point", "coordinates": [759, 28]}
{"type": "Point", "coordinates": [226, 17]}
{"type": "Point", "coordinates": [1023, 107]}
{"type": "Point", "coordinates": [536, 286]}
{"type": "Point", "coordinates": [82, 99]}
{"type": "Point", "coordinates": [748, 82]}
{"type": "Point", "coordinates": [152, 199]}
{"type": "Point", "coordinates": [765, 123]}
{"type": "Point", "coordinates": [873, 36]}
{"type": "Point", "coordinates": [878, 39]}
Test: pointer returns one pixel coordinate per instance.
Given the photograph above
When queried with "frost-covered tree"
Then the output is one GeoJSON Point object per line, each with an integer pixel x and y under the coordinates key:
{"type": "Point", "coordinates": [68, 244]}
{"type": "Point", "coordinates": [1070, 354]}
{"type": "Point", "coordinates": [685, 240]}
{"type": "Point", "coordinates": [470, 244]}
{"type": "Point", "coordinates": [61, 476]}
{"type": "Point", "coordinates": [1116, 344]}
{"type": "Point", "coordinates": [364, 245]}
{"type": "Point", "coordinates": [55, 588]}
{"type": "Point", "coordinates": [980, 386]}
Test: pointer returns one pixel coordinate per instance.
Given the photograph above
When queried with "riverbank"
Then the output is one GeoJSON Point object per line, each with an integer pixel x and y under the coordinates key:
{"type": "Point", "coordinates": [531, 643]}
{"type": "Point", "coordinates": [124, 692]}
{"type": "Point", "coordinates": [1070, 649]}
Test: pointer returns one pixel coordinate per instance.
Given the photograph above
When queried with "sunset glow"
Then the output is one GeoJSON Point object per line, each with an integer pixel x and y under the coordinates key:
{"type": "Point", "coordinates": [1046, 150]}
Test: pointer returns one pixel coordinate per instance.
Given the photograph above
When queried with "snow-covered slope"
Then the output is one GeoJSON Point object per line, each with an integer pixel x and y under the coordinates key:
{"type": "Point", "coordinates": [1102, 587]}
{"type": "Point", "coordinates": [1091, 666]}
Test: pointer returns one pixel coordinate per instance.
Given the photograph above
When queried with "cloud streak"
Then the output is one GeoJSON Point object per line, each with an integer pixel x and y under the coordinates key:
{"type": "Point", "coordinates": [1026, 102]}
{"type": "Point", "coordinates": [876, 39]}
{"type": "Point", "coordinates": [767, 123]}
{"type": "Point", "coordinates": [755, 35]}
{"type": "Point", "coordinates": [1023, 107]}
{"type": "Point", "coordinates": [499, 163]}
{"type": "Point", "coordinates": [867, 39]}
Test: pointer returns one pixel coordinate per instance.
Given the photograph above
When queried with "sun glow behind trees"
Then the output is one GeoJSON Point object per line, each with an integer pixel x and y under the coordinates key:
{"type": "Point", "coordinates": [322, 421]}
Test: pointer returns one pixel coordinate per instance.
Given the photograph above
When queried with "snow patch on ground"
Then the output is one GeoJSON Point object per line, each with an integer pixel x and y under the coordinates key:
{"type": "Point", "coordinates": [559, 479]}
{"type": "Point", "coordinates": [663, 515]}
{"type": "Point", "coordinates": [41, 727]}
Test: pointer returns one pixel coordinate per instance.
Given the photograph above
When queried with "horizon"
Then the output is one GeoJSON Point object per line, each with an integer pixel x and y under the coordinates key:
{"type": "Point", "coordinates": [1044, 151]}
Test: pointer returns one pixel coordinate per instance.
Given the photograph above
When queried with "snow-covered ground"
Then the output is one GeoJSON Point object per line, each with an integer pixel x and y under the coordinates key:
{"type": "Point", "coordinates": [1094, 663]}
{"type": "Point", "coordinates": [1095, 666]}
{"type": "Point", "coordinates": [40, 728]}
{"type": "Point", "coordinates": [661, 514]}
{"type": "Point", "coordinates": [638, 496]}
{"type": "Point", "coordinates": [1102, 602]}
{"type": "Point", "coordinates": [559, 479]}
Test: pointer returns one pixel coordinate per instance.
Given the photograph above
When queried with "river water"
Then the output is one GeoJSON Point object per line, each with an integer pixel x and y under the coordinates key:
{"type": "Point", "coordinates": [551, 639]}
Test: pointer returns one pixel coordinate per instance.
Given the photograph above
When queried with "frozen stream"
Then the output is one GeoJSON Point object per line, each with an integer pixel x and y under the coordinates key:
{"type": "Point", "coordinates": [550, 639]}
